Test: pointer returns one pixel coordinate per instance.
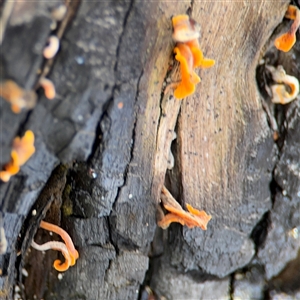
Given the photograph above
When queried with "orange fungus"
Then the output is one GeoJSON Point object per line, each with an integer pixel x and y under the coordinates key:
{"type": "Point", "coordinates": [22, 150]}
{"type": "Point", "coordinates": [286, 41]}
{"type": "Point", "coordinates": [188, 53]}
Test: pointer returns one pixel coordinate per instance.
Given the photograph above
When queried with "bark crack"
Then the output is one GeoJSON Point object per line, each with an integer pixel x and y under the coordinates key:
{"type": "Point", "coordinates": [192, 6]}
{"type": "Point", "coordinates": [132, 138]}
{"type": "Point", "coordinates": [107, 105]}
{"type": "Point", "coordinates": [231, 287]}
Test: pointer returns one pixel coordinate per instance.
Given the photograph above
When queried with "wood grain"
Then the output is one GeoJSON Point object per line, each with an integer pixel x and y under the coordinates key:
{"type": "Point", "coordinates": [224, 145]}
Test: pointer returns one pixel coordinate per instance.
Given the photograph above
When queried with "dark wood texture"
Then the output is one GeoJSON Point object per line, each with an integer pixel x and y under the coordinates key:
{"type": "Point", "coordinates": [103, 153]}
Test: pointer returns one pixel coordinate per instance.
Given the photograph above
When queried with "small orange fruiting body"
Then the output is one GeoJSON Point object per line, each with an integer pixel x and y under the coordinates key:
{"type": "Point", "coordinates": [188, 53]}
{"type": "Point", "coordinates": [22, 150]}
{"type": "Point", "coordinates": [191, 218]}
{"type": "Point", "coordinates": [59, 246]}
{"type": "Point", "coordinates": [286, 41]}
{"type": "Point", "coordinates": [68, 250]}
{"type": "Point", "coordinates": [188, 77]}
{"type": "Point", "coordinates": [49, 88]}
{"type": "Point", "coordinates": [291, 12]}
{"type": "Point", "coordinates": [64, 235]}
{"type": "Point", "coordinates": [16, 96]}
{"type": "Point", "coordinates": [199, 60]}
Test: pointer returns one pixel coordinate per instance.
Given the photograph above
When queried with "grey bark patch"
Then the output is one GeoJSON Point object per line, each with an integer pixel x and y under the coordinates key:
{"type": "Point", "coordinates": [109, 69]}
{"type": "Point", "coordinates": [130, 264]}
{"type": "Point", "coordinates": [26, 44]}
{"type": "Point", "coordinates": [248, 285]}
{"type": "Point", "coordinates": [87, 281]}
{"type": "Point", "coordinates": [228, 241]}
{"type": "Point", "coordinates": [132, 220]}
{"type": "Point", "coordinates": [287, 170]}
{"type": "Point", "coordinates": [9, 128]}
{"type": "Point", "coordinates": [116, 143]}
{"type": "Point", "coordinates": [281, 244]}
{"type": "Point", "coordinates": [102, 275]}
{"type": "Point", "coordinates": [226, 245]}
{"type": "Point", "coordinates": [173, 285]}
{"type": "Point", "coordinates": [12, 223]}
{"type": "Point", "coordinates": [24, 187]}
{"type": "Point", "coordinates": [132, 223]}
{"type": "Point", "coordinates": [92, 231]}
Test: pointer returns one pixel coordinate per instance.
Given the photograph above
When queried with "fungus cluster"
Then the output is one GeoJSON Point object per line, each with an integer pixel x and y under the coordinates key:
{"type": "Point", "coordinates": [286, 88]}
{"type": "Point", "coordinates": [22, 150]}
{"type": "Point", "coordinates": [191, 218]}
{"type": "Point", "coordinates": [67, 249]}
{"type": "Point", "coordinates": [20, 98]}
{"type": "Point", "coordinates": [286, 41]}
{"type": "Point", "coordinates": [23, 147]}
{"type": "Point", "coordinates": [188, 53]}
{"type": "Point", "coordinates": [16, 96]}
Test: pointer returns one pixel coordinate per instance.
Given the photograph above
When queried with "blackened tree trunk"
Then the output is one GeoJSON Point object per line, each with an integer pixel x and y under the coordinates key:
{"type": "Point", "coordinates": [103, 147]}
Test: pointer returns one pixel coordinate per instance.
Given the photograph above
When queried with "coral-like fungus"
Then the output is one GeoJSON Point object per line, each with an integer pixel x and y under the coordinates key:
{"type": "Point", "coordinates": [198, 58]}
{"type": "Point", "coordinates": [188, 53]}
{"type": "Point", "coordinates": [68, 250]}
{"type": "Point", "coordinates": [192, 218]}
{"type": "Point", "coordinates": [286, 41]}
{"type": "Point", "coordinates": [16, 96]}
{"type": "Point", "coordinates": [188, 77]}
{"type": "Point", "coordinates": [22, 150]}
{"type": "Point", "coordinates": [287, 88]}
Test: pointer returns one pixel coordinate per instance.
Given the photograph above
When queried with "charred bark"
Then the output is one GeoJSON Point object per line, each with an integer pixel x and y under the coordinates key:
{"type": "Point", "coordinates": [103, 146]}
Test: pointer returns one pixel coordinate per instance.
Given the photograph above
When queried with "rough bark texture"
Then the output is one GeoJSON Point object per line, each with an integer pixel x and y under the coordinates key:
{"type": "Point", "coordinates": [103, 149]}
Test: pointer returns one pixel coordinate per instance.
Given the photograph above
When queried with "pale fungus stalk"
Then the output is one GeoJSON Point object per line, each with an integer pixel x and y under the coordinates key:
{"type": "Point", "coordinates": [65, 236]}
{"type": "Point", "coordinates": [280, 93]}
{"type": "Point", "coordinates": [59, 246]}
{"type": "Point", "coordinates": [68, 250]}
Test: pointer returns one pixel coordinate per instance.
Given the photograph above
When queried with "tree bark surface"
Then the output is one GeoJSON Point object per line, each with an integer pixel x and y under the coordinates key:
{"type": "Point", "coordinates": [104, 146]}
